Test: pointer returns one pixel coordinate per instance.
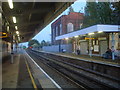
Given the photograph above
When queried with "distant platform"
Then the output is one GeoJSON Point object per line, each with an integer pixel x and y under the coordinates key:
{"type": "Point", "coordinates": [96, 59]}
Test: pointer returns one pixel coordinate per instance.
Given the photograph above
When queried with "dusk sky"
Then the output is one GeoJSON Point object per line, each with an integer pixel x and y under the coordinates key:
{"type": "Point", "coordinates": [45, 34]}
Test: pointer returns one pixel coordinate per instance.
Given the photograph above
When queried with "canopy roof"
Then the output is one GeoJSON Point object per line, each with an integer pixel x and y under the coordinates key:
{"type": "Point", "coordinates": [31, 17]}
{"type": "Point", "coordinates": [91, 29]}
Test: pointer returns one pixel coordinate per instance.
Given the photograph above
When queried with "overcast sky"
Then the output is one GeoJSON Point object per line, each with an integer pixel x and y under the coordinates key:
{"type": "Point", "coordinates": [45, 34]}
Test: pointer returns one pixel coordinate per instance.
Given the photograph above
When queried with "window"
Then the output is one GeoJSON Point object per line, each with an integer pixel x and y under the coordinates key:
{"type": "Point", "coordinates": [56, 31]}
{"type": "Point", "coordinates": [70, 27]}
{"type": "Point", "coordinates": [53, 33]}
{"type": "Point", "coordinates": [60, 29]}
{"type": "Point", "coordinates": [81, 25]}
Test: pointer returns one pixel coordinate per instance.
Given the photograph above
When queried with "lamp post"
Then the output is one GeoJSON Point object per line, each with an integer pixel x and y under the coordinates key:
{"type": "Point", "coordinates": [12, 49]}
{"type": "Point", "coordinates": [59, 45]}
{"type": "Point", "coordinates": [90, 44]}
{"type": "Point", "coordinates": [113, 44]}
{"type": "Point", "coordinates": [76, 46]}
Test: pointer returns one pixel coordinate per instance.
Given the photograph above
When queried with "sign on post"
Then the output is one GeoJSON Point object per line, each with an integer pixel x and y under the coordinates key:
{"type": "Point", "coordinates": [89, 38]}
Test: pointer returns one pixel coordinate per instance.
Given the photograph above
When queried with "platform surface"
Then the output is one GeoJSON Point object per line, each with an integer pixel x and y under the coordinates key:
{"type": "Point", "coordinates": [17, 74]}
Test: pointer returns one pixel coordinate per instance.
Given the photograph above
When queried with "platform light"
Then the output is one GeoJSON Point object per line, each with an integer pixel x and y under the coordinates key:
{"type": "Point", "coordinates": [10, 2]}
{"type": "Point", "coordinates": [0, 15]}
{"type": "Point", "coordinates": [4, 33]}
{"type": "Point", "coordinates": [76, 36]}
{"type": "Point", "coordinates": [17, 32]}
{"type": "Point", "coordinates": [18, 38]}
{"type": "Point", "coordinates": [16, 27]}
{"type": "Point", "coordinates": [90, 33]}
{"type": "Point", "coordinates": [66, 38]}
{"type": "Point", "coordinates": [14, 19]}
{"type": "Point", "coordinates": [8, 28]}
{"type": "Point", "coordinates": [18, 35]}
{"type": "Point", "coordinates": [100, 31]}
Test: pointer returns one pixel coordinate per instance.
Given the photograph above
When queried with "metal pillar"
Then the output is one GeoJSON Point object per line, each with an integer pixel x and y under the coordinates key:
{"type": "Point", "coordinates": [90, 45]}
{"type": "Point", "coordinates": [12, 50]}
{"type": "Point", "coordinates": [113, 46]}
{"type": "Point", "coordinates": [59, 45]}
{"type": "Point", "coordinates": [0, 46]}
{"type": "Point", "coordinates": [76, 45]}
{"type": "Point", "coordinates": [16, 46]}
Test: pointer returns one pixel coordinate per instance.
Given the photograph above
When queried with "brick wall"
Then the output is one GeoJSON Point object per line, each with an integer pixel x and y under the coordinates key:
{"type": "Point", "coordinates": [73, 17]}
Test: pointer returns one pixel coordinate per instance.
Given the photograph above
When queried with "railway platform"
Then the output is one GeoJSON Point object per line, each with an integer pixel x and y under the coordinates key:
{"type": "Point", "coordinates": [24, 73]}
{"type": "Point", "coordinates": [97, 59]}
{"type": "Point", "coordinates": [81, 71]}
{"type": "Point", "coordinates": [93, 58]}
{"type": "Point", "coordinates": [44, 70]}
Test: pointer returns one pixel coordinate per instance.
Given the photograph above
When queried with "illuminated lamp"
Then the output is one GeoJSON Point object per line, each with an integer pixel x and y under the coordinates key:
{"type": "Point", "coordinates": [90, 33]}
{"type": "Point", "coordinates": [14, 19]}
{"type": "Point", "coordinates": [100, 31]}
{"type": "Point", "coordinates": [76, 36]}
{"type": "Point", "coordinates": [10, 2]}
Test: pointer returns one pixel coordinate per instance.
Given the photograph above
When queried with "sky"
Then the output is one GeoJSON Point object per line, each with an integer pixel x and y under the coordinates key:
{"type": "Point", "coordinates": [45, 34]}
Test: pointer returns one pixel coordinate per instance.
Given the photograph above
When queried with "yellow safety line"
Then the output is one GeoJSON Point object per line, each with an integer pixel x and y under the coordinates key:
{"type": "Point", "coordinates": [33, 82]}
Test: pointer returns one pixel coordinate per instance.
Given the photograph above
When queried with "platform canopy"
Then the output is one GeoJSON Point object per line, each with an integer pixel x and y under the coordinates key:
{"type": "Point", "coordinates": [30, 16]}
{"type": "Point", "coordinates": [91, 29]}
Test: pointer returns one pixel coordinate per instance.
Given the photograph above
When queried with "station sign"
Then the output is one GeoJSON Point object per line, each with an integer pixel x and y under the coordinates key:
{"type": "Point", "coordinates": [89, 38]}
{"type": "Point", "coordinates": [102, 38]}
{"type": "Point", "coordinates": [3, 35]}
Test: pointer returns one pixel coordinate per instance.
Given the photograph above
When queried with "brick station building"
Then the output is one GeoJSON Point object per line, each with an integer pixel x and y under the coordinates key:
{"type": "Point", "coordinates": [66, 24]}
{"type": "Point", "coordinates": [68, 33]}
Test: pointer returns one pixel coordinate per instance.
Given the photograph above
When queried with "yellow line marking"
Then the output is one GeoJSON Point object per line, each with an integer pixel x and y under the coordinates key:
{"type": "Point", "coordinates": [33, 82]}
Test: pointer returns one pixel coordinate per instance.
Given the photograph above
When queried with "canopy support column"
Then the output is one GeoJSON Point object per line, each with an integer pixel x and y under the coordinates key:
{"type": "Point", "coordinates": [90, 47]}
{"type": "Point", "coordinates": [113, 46]}
{"type": "Point", "coordinates": [59, 45]}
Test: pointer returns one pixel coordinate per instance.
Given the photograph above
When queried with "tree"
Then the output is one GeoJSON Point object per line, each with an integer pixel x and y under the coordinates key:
{"type": "Point", "coordinates": [116, 12]}
{"type": "Point", "coordinates": [24, 47]}
{"type": "Point", "coordinates": [44, 43]}
{"type": "Point", "coordinates": [104, 13]}
{"type": "Point", "coordinates": [71, 9]}
{"type": "Point", "coordinates": [33, 42]}
{"type": "Point", "coordinates": [98, 13]}
{"type": "Point", "coordinates": [90, 14]}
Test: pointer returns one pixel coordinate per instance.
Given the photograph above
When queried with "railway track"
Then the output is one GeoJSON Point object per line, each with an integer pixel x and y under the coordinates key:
{"type": "Point", "coordinates": [85, 79]}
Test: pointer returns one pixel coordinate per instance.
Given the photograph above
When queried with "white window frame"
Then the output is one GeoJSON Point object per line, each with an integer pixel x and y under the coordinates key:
{"type": "Point", "coordinates": [70, 27]}
{"type": "Point", "coordinates": [81, 25]}
{"type": "Point", "coordinates": [56, 30]}
{"type": "Point", "coordinates": [60, 29]}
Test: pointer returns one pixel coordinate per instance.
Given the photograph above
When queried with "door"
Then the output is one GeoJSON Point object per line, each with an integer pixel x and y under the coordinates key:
{"type": "Point", "coordinates": [103, 47]}
{"type": "Point", "coordinates": [83, 47]}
